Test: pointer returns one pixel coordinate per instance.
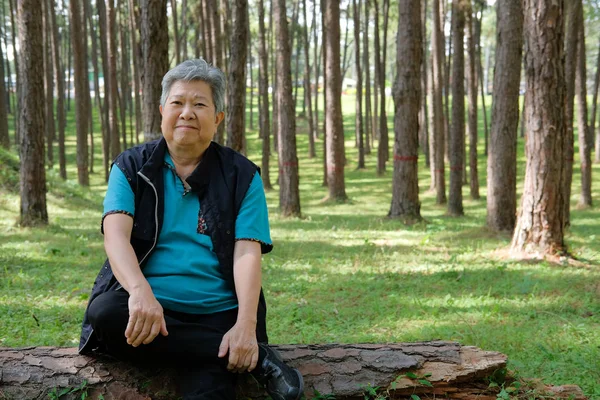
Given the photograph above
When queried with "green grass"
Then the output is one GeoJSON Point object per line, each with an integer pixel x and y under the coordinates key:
{"type": "Point", "coordinates": [343, 273]}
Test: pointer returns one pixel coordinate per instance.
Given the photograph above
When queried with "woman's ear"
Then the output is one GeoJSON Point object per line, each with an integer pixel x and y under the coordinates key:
{"type": "Point", "coordinates": [219, 117]}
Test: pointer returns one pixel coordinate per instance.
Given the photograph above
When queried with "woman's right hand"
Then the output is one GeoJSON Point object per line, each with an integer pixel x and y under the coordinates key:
{"type": "Point", "coordinates": [146, 318]}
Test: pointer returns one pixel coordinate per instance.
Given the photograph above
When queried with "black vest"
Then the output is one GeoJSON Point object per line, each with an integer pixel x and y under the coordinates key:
{"type": "Point", "coordinates": [220, 181]}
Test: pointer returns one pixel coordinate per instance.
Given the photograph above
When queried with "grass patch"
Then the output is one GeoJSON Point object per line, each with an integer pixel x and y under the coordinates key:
{"type": "Point", "coordinates": [342, 273]}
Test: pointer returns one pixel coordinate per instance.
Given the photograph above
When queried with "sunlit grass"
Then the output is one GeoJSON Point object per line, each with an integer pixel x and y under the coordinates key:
{"type": "Point", "coordinates": [343, 272]}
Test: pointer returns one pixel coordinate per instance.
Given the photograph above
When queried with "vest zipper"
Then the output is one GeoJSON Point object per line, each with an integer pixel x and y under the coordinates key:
{"type": "Point", "coordinates": [155, 216]}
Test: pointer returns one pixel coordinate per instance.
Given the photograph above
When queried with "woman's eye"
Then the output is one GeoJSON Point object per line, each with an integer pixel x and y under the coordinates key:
{"type": "Point", "coordinates": [200, 104]}
{"type": "Point", "coordinates": [176, 102]}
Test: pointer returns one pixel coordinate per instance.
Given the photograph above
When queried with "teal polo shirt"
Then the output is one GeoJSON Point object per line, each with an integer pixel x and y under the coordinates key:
{"type": "Point", "coordinates": [183, 270]}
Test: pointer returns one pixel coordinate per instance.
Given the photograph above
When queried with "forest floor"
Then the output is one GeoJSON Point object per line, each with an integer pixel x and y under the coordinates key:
{"type": "Point", "coordinates": [343, 273]}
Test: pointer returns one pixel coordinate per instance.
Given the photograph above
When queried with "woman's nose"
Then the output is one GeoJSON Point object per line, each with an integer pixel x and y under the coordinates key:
{"type": "Point", "coordinates": [187, 112]}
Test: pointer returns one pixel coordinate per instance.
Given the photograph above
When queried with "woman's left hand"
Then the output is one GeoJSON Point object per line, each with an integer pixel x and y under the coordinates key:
{"type": "Point", "coordinates": [240, 341]}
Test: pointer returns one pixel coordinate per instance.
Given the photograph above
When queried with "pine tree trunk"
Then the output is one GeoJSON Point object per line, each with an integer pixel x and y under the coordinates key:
{"type": "Point", "coordinates": [289, 197]}
{"type": "Point", "coordinates": [125, 92]}
{"type": "Point", "coordinates": [59, 74]}
{"type": "Point", "coordinates": [31, 118]}
{"type": "Point", "coordinates": [333, 110]}
{"type": "Point", "coordinates": [175, 31]}
{"type": "Point", "coordinates": [155, 42]}
{"type": "Point", "coordinates": [472, 94]}
{"type": "Point", "coordinates": [594, 107]}
{"type": "Point", "coordinates": [106, 159]}
{"type": "Point", "coordinates": [4, 139]}
{"type": "Point", "coordinates": [9, 102]}
{"type": "Point", "coordinates": [502, 157]}
{"type": "Point", "coordinates": [135, 56]}
{"type": "Point", "coordinates": [16, 60]}
{"type": "Point", "coordinates": [360, 130]}
{"type": "Point", "coordinates": [407, 97]}
{"type": "Point", "coordinates": [263, 89]}
{"type": "Point", "coordinates": [456, 146]}
{"type": "Point", "coordinates": [572, 13]}
{"type": "Point", "coordinates": [585, 138]}
{"type": "Point", "coordinates": [369, 135]}
{"type": "Point", "coordinates": [540, 224]}
{"type": "Point", "coordinates": [236, 85]}
{"type": "Point", "coordinates": [48, 86]}
{"type": "Point", "coordinates": [112, 96]}
{"type": "Point", "coordinates": [324, 55]}
{"type": "Point", "coordinates": [307, 88]}
{"type": "Point", "coordinates": [316, 61]}
{"type": "Point", "coordinates": [436, 142]}
{"type": "Point", "coordinates": [81, 90]}
{"type": "Point", "coordinates": [424, 111]}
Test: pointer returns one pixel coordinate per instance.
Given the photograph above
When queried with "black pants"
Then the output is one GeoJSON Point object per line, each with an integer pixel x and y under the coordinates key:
{"type": "Point", "coordinates": [191, 346]}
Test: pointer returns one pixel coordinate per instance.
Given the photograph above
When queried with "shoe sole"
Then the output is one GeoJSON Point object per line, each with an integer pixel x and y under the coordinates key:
{"type": "Point", "coordinates": [301, 391]}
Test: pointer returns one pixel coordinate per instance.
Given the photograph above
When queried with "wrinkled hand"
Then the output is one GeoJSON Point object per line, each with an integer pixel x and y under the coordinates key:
{"type": "Point", "coordinates": [241, 342]}
{"type": "Point", "coordinates": [146, 319]}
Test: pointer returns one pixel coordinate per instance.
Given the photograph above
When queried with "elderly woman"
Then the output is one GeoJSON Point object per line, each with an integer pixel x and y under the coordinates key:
{"type": "Point", "coordinates": [185, 221]}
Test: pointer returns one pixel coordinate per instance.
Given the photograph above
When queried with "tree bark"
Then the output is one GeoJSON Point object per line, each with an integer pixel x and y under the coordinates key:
{"type": "Point", "coordinates": [380, 56]}
{"type": "Point", "coordinates": [236, 87]}
{"type": "Point", "coordinates": [585, 138]}
{"type": "Point", "coordinates": [219, 55]}
{"type": "Point", "coordinates": [112, 96]}
{"type": "Point", "coordinates": [175, 32]}
{"type": "Point", "coordinates": [424, 112]}
{"type": "Point", "coordinates": [472, 95]}
{"type": "Point", "coordinates": [31, 119]}
{"type": "Point", "coordinates": [59, 74]}
{"type": "Point", "coordinates": [125, 94]}
{"type": "Point", "coordinates": [4, 139]}
{"type": "Point", "coordinates": [102, 26]}
{"type": "Point", "coordinates": [263, 88]}
{"type": "Point", "coordinates": [540, 225]}
{"type": "Point", "coordinates": [48, 86]}
{"type": "Point", "coordinates": [367, 69]}
{"type": "Point", "coordinates": [594, 108]}
{"type": "Point", "coordinates": [502, 159]}
{"type": "Point", "coordinates": [360, 130]}
{"type": "Point", "coordinates": [436, 142]}
{"type": "Point", "coordinates": [456, 146]}
{"type": "Point", "coordinates": [407, 97]}
{"type": "Point", "coordinates": [16, 60]}
{"type": "Point", "coordinates": [155, 41]}
{"type": "Point", "coordinates": [307, 87]}
{"type": "Point", "coordinates": [572, 14]}
{"type": "Point", "coordinates": [81, 90]}
{"type": "Point", "coordinates": [289, 196]}
{"type": "Point", "coordinates": [333, 111]}
{"type": "Point", "coordinates": [135, 57]}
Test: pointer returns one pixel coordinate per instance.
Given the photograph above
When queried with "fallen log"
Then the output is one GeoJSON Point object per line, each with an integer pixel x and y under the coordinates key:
{"type": "Point", "coordinates": [400, 370]}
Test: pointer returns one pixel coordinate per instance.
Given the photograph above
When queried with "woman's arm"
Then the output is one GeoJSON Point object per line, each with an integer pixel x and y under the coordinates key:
{"type": "Point", "coordinates": [241, 341]}
{"type": "Point", "coordinates": [146, 318]}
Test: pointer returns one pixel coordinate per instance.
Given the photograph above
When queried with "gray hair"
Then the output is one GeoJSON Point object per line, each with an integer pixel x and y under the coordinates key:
{"type": "Point", "coordinates": [196, 70]}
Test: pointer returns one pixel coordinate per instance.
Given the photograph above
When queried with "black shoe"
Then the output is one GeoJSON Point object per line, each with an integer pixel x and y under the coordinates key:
{"type": "Point", "coordinates": [281, 381]}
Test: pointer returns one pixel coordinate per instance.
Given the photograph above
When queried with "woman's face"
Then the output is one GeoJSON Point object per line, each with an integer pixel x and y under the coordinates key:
{"type": "Point", "coordinates": [188, 117]}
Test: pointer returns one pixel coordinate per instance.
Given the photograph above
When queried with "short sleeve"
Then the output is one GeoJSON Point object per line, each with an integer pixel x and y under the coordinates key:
{"type": "Point", "coordinates": [253, 219]}
{"type": "Point", "coordinates": [119, 197]}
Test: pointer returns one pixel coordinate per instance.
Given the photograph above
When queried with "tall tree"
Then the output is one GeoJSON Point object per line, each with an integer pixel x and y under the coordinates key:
{"type": "Point", "coordinates": [571, 20]}
{"type": "Point", "coordinates": [4, 139]}
{"type": "Point", "coordinates": [263, 89]}
{"type": "Point", "coordinates": [360, 129]}
{"type": "Point", "coordinates": [436, 140]}
{"type": "Point", "coordinates": [472, 42]}
{"type": "Point", "coordinates": [585, 138]}
{"type": "Point", "coordinates": [289, 196]}
{"type": "Point", "coordinates": [424, 111]}
{"type": "Point", "coordinates": [407, 97]}
{"type": "Point", "coordinates": [333, 111]}
{"type": "Point", "coordinates": [367, 69]}
{"type": "Point", "coordinates": [380, 59]}
{"type": "Point", "coordinates": [112, 96]}
{"type": "Point", "coordinates": [456, 145]}
{"type": "Point", "coordinates": [540, 223]}
{"type": "Point", "coordinates": [175, 31]}
{"type": "Point", "coordinates": [217, 42]}
{"type": "Point", "coordinates": [31, 118]}
{"type": "Point", "coordinates": [236, 87]}
{"type": "Point", "coordinates": [594, 109]}
{"type": "Point", "coordinates": [100, 103]}
{"type": "Point", "coordinates": [59, 74]}
{"type": "Point", "coordinates": [155, 53]}
{"type": "Point", "coordinates": [502, 159]}
{"type": "Point", "coordinates": [307, 91]}
{"type": "Point", "coordinates": [48, 85]}
{"type": "Point", "coordinates": [125, 83]}
{"type": "Point", "coordinates": [81, 90]}
{"type": "Point", "coordinates": [16, 60]}
{"type": "Point", "coordinates": [135, 56]}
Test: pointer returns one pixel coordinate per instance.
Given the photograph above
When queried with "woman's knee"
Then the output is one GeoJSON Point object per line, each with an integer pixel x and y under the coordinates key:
{"type": "Point", "coordinates": [108, 309]}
